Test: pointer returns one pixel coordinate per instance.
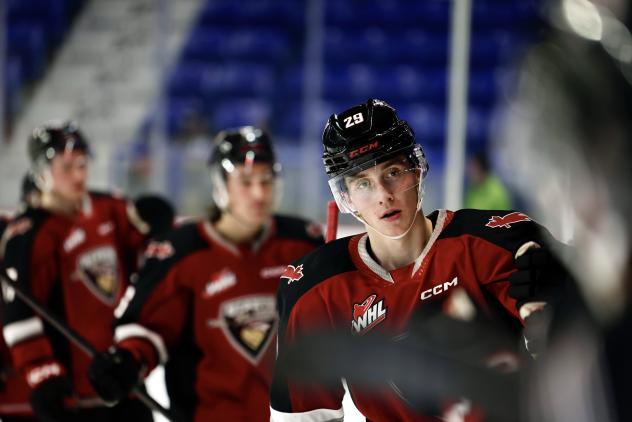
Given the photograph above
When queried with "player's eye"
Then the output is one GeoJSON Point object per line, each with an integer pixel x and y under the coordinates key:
{"type": "Point", "coordinates": [361, 184]}
{"type": "Point", "coordinates": [394, 173]}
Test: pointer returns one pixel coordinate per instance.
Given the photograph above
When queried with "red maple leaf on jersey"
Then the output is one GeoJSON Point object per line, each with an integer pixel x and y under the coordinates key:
{"type": "Point", "coordinates": [507, 220]}
{"type": "Point", "coordinates": [159, 250]}
{"type": "Point", "coordinates": [360, 308]}
{"type": "Point", "coordinates": [293, 273]}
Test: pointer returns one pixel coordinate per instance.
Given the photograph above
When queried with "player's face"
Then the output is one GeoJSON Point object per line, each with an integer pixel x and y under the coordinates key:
{"type": "Point", "coordinates": [251, 192]}
{"type": "Point", "coordinates": [386, 195]}
{"type": "Point", "coordinates": [69, 173]}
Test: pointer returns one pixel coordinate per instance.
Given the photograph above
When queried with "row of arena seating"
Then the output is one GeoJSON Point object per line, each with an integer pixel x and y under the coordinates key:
{"type": "Point", "coordinates": [251, 56]}
{"type": "Point", "coordinates": [417, 46]}
{"type": "Point", "coordinates": [34, 29]}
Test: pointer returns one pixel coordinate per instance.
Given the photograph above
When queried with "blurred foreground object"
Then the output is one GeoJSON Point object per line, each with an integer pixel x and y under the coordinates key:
{"type": "Point", "coordinates": [568, 143]}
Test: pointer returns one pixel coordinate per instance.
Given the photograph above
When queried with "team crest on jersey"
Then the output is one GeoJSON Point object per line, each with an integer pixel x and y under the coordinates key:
{"type": "Point", "coordinates": [249, 323]}
{"type": "Point", "coordinates": [293, 273]}
{"type": "Point", "coordinates": [98, 270]}
{"type": "Point", "coordinates": [159, 250]}
{"type": "Point", "coordinates": [506, 221]}
{"type": "Point", "coordinates": [367, 314]}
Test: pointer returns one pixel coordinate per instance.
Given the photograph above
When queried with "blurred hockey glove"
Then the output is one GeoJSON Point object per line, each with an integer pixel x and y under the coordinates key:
{"type": "Point", "coordinates": [49, 397]}
{"type": "Point", "coordinates": [114, 374]}
{"type": "Point", "coordinates": [156, 212]}
{"type": "Point", "coordinates": [539, 278]}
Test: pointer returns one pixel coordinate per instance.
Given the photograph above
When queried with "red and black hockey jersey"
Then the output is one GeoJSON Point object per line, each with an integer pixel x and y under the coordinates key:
{"type": "Point", "coordinates": [78, 267]}
{"type": "Point", "coordinates": [207, 308]}
{"type": "Point", "coordinates": [14, 392]}
{"type": "Point", "coordinates": [341, 285]}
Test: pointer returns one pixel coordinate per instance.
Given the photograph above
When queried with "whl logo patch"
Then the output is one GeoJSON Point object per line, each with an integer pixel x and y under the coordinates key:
{"type": "Point", "coordinates": [293, 273]}
{"type": "Point", "coordinates": [507, 220]}
{"type": "Point", "coordinates": [367, 314]}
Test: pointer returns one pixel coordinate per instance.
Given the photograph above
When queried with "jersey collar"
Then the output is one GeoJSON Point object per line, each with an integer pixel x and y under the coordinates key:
{"type": "Point", "coordinates": [382, 273]}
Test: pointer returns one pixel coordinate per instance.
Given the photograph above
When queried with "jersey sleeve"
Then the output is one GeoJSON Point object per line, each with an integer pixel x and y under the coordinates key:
{"type": "Point", "coordinates": [154, 310]}
{"type": "Point", "coordinates": [31, 261]}
{"type": "Point", "coordinates": [496, 238]}
{"type": "Point", "coordinates": [303, 310]}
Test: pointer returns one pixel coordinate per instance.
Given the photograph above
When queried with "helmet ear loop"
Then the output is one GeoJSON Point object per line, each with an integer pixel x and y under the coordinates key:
{"type": "Point", "coordinates": [42, 176]}
{"type": "Point", "coordinates": [219, 193]}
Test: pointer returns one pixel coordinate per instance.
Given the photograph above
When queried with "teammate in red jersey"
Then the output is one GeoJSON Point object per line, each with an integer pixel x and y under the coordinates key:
{"type": "Point", "coordinates": [204, 304]}
{"type": "Point", "coordinates": [74, 253]}
{"type": "Point", "coordinates": [405, 262]}
{"type": "Point", "coordinates": [14, 392]}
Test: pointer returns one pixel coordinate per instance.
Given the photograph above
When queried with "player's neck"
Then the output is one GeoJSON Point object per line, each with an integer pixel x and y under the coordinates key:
{"type": "Point", "coordinates": [236, 231]}
{"type": "Point", "coordinates": [56, 203]}
{"type": "Point", "coordinates": [397, 253]}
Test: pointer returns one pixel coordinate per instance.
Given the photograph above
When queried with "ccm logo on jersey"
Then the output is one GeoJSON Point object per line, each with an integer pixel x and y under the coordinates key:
{"type": "Point", "coordinates": [293, 273]}
{"type": "Point", "coordinates": [367, 314]}
{"type": "Point", "coordinates": [439, 288]}
{"type": "Point", "coordinates": [507, 220]}
{"type": "Point", "coordinates": [363, 149]}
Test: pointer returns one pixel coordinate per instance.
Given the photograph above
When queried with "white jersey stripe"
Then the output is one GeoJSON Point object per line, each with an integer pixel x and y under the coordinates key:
{"type": "Point", "coordinates": [16, 332]}
{"type": "Point", "coordinates": [318, 415]}
{"type": "Point", "coordinates": [134, 330]}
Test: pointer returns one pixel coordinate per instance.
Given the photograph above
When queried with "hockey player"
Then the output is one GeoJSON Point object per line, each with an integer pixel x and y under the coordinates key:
{"type": "Point", "coordinates": [204, 303]}
{"type": "Point", "coordinates": [75, 254]}
{"type": "Point", "coordinates": [405, 262]}
{"type": "Point", "coordinates": [14, 392]}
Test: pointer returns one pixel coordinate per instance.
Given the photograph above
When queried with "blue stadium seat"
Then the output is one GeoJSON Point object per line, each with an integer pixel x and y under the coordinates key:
{"type": "Point", "coordinates": [27, 42]}
{"type": "Point", "coordinates": [504, 14]}
{"type": "Point", "coordinates": [13, 84]}
{"type": "Point", "coordinates": [387, 13]}
{"type": "Point", "coordinates": [234, 78]}
{"type": "Point", "coordinates": [51, 16]}
{"type": "Point", "coordinates": [428, 122]}
{"type": "Point", "coordinates": [241, 112]}
{"type": "Point", "coordinates": [381, 46]}
{"type": "Point", "coordinates": [495, 48]}
{"type": "Point", "coordinates": [254, 12]}
{"type": "Point", "coordinates": [179, 109]}
{"type": "Point", "coordinates": [246, 44]}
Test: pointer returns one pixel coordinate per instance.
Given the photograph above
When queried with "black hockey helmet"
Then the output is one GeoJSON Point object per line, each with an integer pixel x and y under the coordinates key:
{"type": "Point", "coordinates": [244, 145]}
{"type": "Point", "coordinates": [363, 136]}
{"type": "Point", "coordinates": [364, 133]}
{"type": "Point", "coordinates": [54, 137]}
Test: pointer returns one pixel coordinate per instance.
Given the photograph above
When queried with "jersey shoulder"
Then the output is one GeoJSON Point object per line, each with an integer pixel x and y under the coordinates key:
{"type": "Point", "coordinates": [505, 228]}
{"type": "Point", "coordinates": [289, 227]}
{"type": "Point", "coordinates": [312, 269]}
{"type": "Point", "coordinates": [20, 234]}
{"type": "Point", "coordinates": [175, 245]}
{"type": "Point", "coordinates": [161, 256]}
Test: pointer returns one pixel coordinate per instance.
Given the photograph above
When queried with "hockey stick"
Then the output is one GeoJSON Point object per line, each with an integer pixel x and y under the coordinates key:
{"type": "Point", "coordinates": [74, 337]}
{"type": "Point", "coordinates": [332, 221]}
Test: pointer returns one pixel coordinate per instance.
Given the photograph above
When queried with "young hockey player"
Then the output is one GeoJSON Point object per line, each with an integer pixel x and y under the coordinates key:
{"type": "Point", "coordinates": [205, 301]}
{"type": "Point", "coordinates": [74, 254]}
{"type": "Point", "coordinates": [405, 261]}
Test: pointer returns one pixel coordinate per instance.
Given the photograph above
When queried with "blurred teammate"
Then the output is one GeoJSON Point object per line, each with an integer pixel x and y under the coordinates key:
{"type": "Point", "coordinates": [406, 262]}
{"type": "Point", "coordinates": [205, 303]}
{"type": "Point", "coordinates": [14, 392]}
{"type": "Point", "coordinates": [75, 254]}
